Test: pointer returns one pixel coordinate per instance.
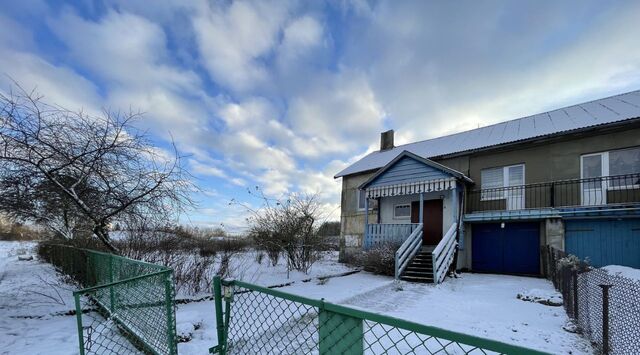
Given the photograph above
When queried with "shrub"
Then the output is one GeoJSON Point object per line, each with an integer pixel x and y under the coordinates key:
{"type": "Point", "coordinates": [378, 260]}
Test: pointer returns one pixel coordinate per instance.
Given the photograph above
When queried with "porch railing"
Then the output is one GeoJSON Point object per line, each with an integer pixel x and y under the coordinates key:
{"type": "Point", "coordinates": [380, 234]}
{"type": "Point", "coordinates": [408, 250]}
{"type": "Point", "coordinates": [598, 191]}
{"type": "Point", "coordinates": [442, 254]}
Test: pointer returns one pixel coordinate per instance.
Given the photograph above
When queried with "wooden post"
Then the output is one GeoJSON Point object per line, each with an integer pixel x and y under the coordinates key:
{"type": "Point", "coordinates": [366, 217]}
{"type": "Point", "coordinates": [421, 207]}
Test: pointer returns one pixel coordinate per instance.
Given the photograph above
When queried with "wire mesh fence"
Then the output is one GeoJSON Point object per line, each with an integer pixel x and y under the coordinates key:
{"type": "Point", "coordinates": [258, 320]}
{"type": "Point", "coordinates": [609, 318]}
{"type": "Point", "coordinates": [124, 307]}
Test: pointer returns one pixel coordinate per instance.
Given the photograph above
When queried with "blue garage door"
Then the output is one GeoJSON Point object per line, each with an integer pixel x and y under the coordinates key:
{"type": "Point", "coordinates": [604, 242]}
{"type": "Point", "coordinates": [514, 249]}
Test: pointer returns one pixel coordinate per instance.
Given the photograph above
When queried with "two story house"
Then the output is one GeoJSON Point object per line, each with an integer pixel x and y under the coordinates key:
{"type": "Point", "coordinates": [488, 199]}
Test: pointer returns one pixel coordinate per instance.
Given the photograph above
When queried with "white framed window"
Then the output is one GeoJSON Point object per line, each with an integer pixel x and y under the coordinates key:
{"type": "Point", "coordinates": [612, 163]}
{"type": "Point", "coordinates": [373, 204]}
{"type": "Point", "coordinates": [499, 177]}
{"type": "Point", "coordinates": [402, 211]}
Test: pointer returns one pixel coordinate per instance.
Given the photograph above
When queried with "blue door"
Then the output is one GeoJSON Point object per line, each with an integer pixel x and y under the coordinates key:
{"type": "Point", "coordinates": [514, 249]}
{"type": "Point", "coordinates": [604, 242]}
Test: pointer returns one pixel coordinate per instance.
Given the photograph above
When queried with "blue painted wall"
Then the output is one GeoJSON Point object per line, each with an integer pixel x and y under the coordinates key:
{"type": "Point", "coordinates": [407, 170]}
{"type": "Point", "coordinates": [604, 242]}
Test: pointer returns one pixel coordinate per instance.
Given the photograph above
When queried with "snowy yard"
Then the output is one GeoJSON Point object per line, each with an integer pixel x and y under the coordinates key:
{"type": "Point", "coordinates": [32, 313]}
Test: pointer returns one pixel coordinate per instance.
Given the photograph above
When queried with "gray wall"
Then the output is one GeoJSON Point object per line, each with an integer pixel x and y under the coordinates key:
{"type": "Point", "coordinates": [558, 159]}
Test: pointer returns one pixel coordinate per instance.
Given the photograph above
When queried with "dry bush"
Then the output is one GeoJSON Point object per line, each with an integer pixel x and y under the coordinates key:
{"type": "Point", "coordinates": [378, 260]}
{"type": "Point", "coordinates": [194, 261]}
{"type": "Point", "coordinates": [287, 227]}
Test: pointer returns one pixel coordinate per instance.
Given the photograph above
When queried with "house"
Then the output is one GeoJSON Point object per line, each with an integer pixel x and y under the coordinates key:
{"type": "Point", "coordinates": [489, 199]}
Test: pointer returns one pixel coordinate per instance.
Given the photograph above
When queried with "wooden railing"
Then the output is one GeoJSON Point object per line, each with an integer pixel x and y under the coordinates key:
{"type": "Point", "coordinates": [380, 234]}
{"type": "Point", "coordinates": [408, 250]}
{"type": "Point", "coordinates": [442, 254]}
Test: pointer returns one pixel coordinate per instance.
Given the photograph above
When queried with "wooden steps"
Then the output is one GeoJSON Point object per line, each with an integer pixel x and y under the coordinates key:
{"type": "Point", "coordinates": [421, 267]}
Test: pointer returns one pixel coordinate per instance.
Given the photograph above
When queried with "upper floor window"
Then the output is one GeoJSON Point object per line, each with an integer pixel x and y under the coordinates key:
{"type": "Point", "coordinates": [496, 178]}
{"type": "Point", "coordinates": [361, 197]}
{"type": "Point", "coordinates": [612, 163]}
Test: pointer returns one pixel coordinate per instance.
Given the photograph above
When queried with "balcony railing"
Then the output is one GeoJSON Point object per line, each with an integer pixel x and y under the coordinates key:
{"type": "Point", "coordinates": [598, 191]}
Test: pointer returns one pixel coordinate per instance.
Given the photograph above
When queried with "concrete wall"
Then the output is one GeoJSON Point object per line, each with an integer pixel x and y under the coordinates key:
{"type": "Point", "coordinates": [555, 160]}
{"type": "Point", "coordinates": [352, 219]}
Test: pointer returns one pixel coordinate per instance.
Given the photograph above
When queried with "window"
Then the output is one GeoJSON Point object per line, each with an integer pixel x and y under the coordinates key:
{"type": "Point", "coordinates": [373, 204]}
{"type": "Point", "coordinates": [402, 211]}
{"type": "Point", "coordinates": [496, 178]}
{"type": "Point", "coordinates": [613, 163]}
{"type": "Point", "coordinates": [624, 162]}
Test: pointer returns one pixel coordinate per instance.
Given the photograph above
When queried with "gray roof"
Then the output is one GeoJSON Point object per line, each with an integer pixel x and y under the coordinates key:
{"type": "Point", "coordinates": [589, 114]}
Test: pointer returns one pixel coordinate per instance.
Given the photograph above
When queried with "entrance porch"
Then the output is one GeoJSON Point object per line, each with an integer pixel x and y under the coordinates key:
{"type": "Point", "coordinates": [418, 211]}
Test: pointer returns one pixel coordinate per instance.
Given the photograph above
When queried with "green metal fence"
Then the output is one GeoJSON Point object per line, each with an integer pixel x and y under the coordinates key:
{"type": "Point", "coordinates": [258, 320]}
{"type": "Point", "coordinates": [125, 306]}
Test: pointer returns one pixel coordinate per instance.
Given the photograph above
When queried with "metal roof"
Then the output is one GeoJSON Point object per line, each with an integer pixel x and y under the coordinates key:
{"type": "Point", "coordinates": [589, 114]}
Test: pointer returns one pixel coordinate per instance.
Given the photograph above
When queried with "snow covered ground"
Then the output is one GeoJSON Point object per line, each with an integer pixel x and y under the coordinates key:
{"type": "Point", "coordinates": [483, 305]}
{"type": "Point", "coordinates": [31, 297]}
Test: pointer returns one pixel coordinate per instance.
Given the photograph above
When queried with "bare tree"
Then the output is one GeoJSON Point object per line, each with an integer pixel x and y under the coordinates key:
{"type": "Point", "coordinates": [287, 226]}
{"type": "Point", "coordinates": [101, 168]}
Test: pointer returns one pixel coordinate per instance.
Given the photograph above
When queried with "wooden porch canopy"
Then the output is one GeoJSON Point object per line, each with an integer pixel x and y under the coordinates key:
{"type": "Point", "coordinates": [411, 174]}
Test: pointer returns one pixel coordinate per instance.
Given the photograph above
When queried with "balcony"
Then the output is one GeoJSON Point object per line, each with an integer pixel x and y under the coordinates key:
{"type": "Point", "coordinates": [550, 199]}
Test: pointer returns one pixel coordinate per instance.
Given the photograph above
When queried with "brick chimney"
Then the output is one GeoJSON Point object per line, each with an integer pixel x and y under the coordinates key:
{"type": "Point", "coordinates": [386, 140]}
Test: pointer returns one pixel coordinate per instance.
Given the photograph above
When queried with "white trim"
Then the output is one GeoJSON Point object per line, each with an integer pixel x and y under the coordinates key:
{"type": "Point", "coordinates": [401, 217]}
{"type": "Point", "coordinates": [411, 188]}
{"type": "Point", "coordinates": [604, 171]}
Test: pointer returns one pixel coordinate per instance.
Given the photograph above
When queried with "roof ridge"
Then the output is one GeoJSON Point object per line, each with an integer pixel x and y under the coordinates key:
{"type": "Point", "coordinates": [515, 119]}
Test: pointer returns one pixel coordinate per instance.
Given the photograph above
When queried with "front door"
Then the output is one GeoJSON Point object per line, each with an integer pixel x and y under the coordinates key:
{"type": "Point", "coordinates": [432, 220]}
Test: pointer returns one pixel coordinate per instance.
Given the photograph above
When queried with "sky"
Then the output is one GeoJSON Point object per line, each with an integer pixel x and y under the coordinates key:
{"type": "Point", "coordinates": [284, 94]}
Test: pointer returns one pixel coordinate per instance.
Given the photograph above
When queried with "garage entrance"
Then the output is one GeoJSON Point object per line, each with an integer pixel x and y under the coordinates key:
{"type": "Point", "coordinates": [604, 241]}
{"type": "Point", "coordinates": [514, 249]}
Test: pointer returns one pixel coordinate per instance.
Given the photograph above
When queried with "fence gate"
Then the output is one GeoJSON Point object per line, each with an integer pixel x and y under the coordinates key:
{"type": "Point", "coordinates": [258, 320]}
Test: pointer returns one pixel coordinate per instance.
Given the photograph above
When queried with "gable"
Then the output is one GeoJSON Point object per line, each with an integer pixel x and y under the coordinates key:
{"type": "Point", "coordinates": [407, 170]}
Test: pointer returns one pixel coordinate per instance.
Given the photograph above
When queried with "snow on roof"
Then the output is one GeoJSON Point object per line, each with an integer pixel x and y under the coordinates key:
{"type": "Point", "coordinates": [593, 113]}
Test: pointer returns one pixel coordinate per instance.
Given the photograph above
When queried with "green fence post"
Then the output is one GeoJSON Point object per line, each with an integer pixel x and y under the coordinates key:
{"type": "Point", "coordinates": [171, 326]}
{"type": "Point", "coordinates": [76, 297]}
{"type": "Point", "coordinates": [339, 334]}
{"type": "Point", "coordinates": [112, 291]}
{"type": "Point", "coordinates": [221, 348]}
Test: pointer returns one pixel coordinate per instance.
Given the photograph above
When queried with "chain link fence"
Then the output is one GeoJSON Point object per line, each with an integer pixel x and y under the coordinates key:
{"type": "Point", "coordinates": [605, 307]}
{"type": "Point", "coordinates": [258, 320]}
{"type": "Point", "coordinates": [125, 306]}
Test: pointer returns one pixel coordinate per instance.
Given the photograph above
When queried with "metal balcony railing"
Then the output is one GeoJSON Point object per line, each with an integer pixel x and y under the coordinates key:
{"type": "Point", "coordinates": [598, 191]}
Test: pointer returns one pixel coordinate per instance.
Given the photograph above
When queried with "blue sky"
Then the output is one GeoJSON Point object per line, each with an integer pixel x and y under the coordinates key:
{"type": "Point", "coordinates": [284, 94]}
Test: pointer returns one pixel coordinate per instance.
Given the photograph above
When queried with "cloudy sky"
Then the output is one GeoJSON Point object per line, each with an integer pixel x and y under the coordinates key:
{"type": "Point", "coordinates": [284, 94]}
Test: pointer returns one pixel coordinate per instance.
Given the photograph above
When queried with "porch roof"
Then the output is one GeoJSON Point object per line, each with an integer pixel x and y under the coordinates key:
{"type": "Point", "coordinates": [409, 174]}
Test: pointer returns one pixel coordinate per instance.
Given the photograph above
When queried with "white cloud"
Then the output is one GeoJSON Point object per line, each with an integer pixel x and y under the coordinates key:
{"type": "Point", "coordinates": [233, 38]}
